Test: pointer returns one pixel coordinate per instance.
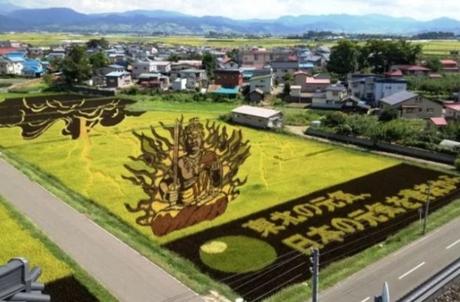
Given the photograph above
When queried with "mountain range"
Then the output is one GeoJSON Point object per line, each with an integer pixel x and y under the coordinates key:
{"type": "Point", "coordinates": [14, 18]}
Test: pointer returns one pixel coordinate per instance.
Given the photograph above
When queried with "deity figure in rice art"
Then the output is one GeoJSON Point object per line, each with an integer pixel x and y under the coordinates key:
{"type": "Point", "coordinates": [188, 177]}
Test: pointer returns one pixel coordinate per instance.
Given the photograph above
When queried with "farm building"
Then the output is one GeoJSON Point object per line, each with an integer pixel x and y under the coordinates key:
{"type": "Point", "coordinates": [258, 117]}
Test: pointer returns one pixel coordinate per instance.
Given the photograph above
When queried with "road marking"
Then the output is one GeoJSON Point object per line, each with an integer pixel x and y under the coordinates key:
{"type": "Point", "coordinates": [365, 300]}
{"type": "Point", "coordinates": [411, 271]}
{"type": "Point", "coordinates": [452, 245]}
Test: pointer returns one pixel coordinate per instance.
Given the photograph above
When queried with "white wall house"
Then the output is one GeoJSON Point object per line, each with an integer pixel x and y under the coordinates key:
{"type": "Point", "coordinates": [163, 66]}
{"type": "Point", "coordinates": [258, 117]}
{"type": "Point", "coordinates": [139, 68]}
{"type": "Point", "coordinates": [332, 97]}
{"type": "Point", "coordinates": [262, 82]}
{"type": "Point", "coordinates": [8, 67]}
{"type": "Point", "coordinates": [388, 86]}
{"type": "Point", "coordinates": [179, 84]}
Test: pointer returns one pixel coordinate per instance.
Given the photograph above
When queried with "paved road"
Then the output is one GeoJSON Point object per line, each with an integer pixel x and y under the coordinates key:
{"type": "Point", "coordinates": [123, 271]}
{"type": "Point", "coordinates": [403, 270]}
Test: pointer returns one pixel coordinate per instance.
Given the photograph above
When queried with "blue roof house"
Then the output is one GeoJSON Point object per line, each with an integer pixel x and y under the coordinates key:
{"type": "Point", "coordinates": [32, 68]}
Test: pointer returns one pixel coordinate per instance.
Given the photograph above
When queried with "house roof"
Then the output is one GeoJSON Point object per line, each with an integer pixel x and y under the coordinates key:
{"type": "Point", "coordinates": [116, 66]}
{"type": "Point", "coordinates": [116, 74]}
{"type": "Point", "coordinates": [262, 76]}
{"type": "Point", "coordinates": [449, 143]}
{"type": "Point", "coordinates": [285, 64]}
{"type": "Point", "coordinates": [149, 75]}
{"type": "Point", "coordinates": [311, 80]}
{"type": "Point", "coordinates": [398, 97]}
{"type": "Point", "coordinates": [394, 73]}
{"type": "Point", "coordinates": [455, 106]}
{"type": "Point", "coordinates": [336, 87]}
{"type": "Point", "coordinates": [6, 50]}
{"type": "Point", "coordinates": [390, 80]}
{"type": "Point", "coordinates": [256, 111]}
{"type": "Point", "coordinates": [228, 91]}
{"type": "Point", "coordinates": [449, 62]}
{"type": "Point", "coordinates": [439, 121]}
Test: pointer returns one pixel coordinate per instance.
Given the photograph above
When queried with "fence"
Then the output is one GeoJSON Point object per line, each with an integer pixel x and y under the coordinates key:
{"type": "Point", "coordinates": [431, 289]}
{"type": "Point", "coordinates": [386, 147]}
{"type": "Point", "coordinates": [18, 283]}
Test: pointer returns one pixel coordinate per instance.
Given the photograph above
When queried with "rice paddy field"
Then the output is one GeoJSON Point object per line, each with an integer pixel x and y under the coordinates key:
{"type": "Point", "coordinates": [430, 47]}
{"type": "Point", "coordinates": [299, 193]}
{"type": "Point", "coordinates": [63, 281]}
{"type": "Point", "coordinates": [280, 167]}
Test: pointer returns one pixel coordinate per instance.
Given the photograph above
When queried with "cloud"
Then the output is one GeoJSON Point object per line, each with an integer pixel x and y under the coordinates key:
{"type": "Point", "coordinates": [265, 9]}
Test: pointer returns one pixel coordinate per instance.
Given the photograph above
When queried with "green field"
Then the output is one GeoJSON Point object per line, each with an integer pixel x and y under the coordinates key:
{"type": "Point", "coordinates": [63, 279]}
{"type": "Point", "coordinates": [431, 47]}
{"type": "Point", "coordinates": [280, 168]}
{"type": "Point", "coordinates": [49, 39]}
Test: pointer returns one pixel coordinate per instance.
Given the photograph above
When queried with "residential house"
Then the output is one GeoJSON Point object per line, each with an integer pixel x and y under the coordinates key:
{"type": "Point", "coordinates": [141, 67]}
{"type": "Point", "coordinates": [450, 66]}
{"type": "Point", "coordinates": [282, 68]}
{"type": "Point", "coordinates": [371, 88]}
{"type": "Point", "coordinates": [163, 67]}
{"type": "Point", "coordinates": [258, 117]}
{"type": "Point", "coordinates": [262, 82]}
{"type": "Point", "coordinates": [255, 57]}
{"type": "Point", "coordinates": [118, 79]}
{"type": "Point", "coordinates": [331, 98]}
{"type": "Point", "coordinates": [411, 70]}
{"type": "Point", "coordinates": [154, 81]}
{"type": "Point", "coordinates": [10, 67]}
{"type": "Point", "coordinates": [311, 84]}
{"type": "Point", "coordinates": [229, 64]}
{"type": "Point", "coordinates": [196, 78]}
{"type": "Point", "coordinates": [32, 68]}
{"type": "Point", "coordinates": [452, 111]}
{"type": "Point", "coordinates": [186, 64]}
{"type": "Point", "coordinates": [228, 77]}
{"type": "Point", "coordinates": [410, 105]}
{"type": "Point", "coordinates": [228, 92]}
{"type": "Point", "coordinates": [100, 73]}
{"type": "Point", "coordinates": [179, 84]}
{"type": "Point", "coordinates": [384, 87]}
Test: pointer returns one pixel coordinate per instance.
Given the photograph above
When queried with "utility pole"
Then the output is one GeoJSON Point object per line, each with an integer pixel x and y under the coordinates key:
{"type": "Point", "coordinates": [427, 207]}
{"type": "Point", "coordinates": [315, 274]}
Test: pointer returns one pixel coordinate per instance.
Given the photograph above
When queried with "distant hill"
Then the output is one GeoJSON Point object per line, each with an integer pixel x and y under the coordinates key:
{"type": "Point", "coordinates": [6, 7]}
{"type": "Point", "coordinates": [145, 21]}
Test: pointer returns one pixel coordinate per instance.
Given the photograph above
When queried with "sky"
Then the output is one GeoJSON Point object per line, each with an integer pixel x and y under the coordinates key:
{"type": "Point", "coordinates": [265, 9]}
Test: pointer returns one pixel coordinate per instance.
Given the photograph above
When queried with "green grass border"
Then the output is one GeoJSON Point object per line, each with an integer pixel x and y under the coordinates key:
{"type": "Point", "coordinates": [184, 270]}
{"type": "Point", "coordinates": [96, 289]}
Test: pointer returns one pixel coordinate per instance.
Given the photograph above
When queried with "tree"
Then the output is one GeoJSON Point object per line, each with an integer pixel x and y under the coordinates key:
{"type": "Point", "coordinates": [233, 54]}
{"type": "Point", "coordinates": [344, 58]}
{"type": "Point", "coordinates": [209, 63]}
{"type": "Point", "coordinates": [288, 78]}
{"type": "Point", "coordinates": [97, 43]}
{"type": "Point", "coordinates": [434, 64]}
{"type": "Point", "coordinates": [173, 58]}
{"type": "Point", "coordinates": [287, 88]}
{"type": "Point", "coordinates": [99, 60]}
{"type": "Point", "coordinates": [76, 67]}
{"type": "Point", "coordinates": [388, 114]}
{"type": "Point", "coordinates": [380, 55]}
